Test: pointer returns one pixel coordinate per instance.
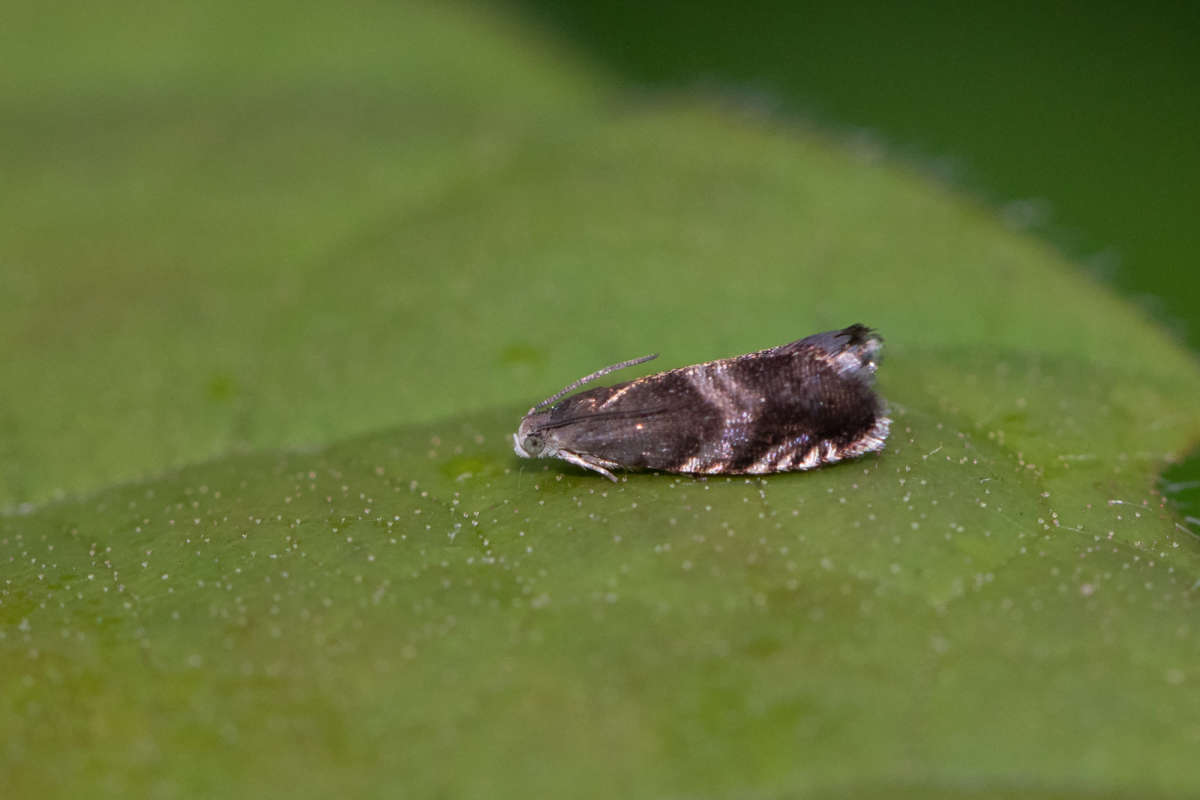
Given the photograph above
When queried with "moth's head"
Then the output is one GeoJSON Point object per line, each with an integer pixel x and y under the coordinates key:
{"type": "Point", "coordinates": [531, 440]}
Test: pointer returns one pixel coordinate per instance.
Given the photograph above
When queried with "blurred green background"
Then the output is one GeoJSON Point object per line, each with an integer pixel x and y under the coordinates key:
{"type": "Point", "coordinates": [1079, 119]}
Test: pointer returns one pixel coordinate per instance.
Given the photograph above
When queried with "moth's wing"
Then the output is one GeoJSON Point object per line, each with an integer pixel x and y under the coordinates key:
{"type": "Point", "coordinates": [657, 422]}
{"type": "Point", "coordinates": [791, 401]}
{"type": "Point", "coordinates": [787, 408]}
{"type": "Point", "coordinates": [754, 413]}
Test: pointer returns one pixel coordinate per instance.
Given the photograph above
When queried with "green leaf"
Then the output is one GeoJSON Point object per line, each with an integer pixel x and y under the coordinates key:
{"type": "Point", "coordinates": [417, 246]}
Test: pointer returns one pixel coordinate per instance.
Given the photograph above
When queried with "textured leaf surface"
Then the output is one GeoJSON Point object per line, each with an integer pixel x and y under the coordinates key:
{"type": "Point", "coordinates": [420, 246]}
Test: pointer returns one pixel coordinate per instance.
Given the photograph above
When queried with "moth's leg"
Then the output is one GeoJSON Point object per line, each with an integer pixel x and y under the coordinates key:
{"type": "Point", "coordinates": [589, 462]}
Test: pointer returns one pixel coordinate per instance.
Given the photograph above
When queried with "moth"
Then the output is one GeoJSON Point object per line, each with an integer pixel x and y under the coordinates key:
{"type": "Point", "coordinates": [792, 407]}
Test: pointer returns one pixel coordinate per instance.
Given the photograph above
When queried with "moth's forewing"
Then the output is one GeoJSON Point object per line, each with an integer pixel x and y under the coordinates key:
{"type": "Point", "coordinates": [656, 422]}
{"type": "Point", "coordinates": [754, 413]}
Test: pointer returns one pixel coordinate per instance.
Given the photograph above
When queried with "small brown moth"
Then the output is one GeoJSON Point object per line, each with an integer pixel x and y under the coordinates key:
{"type": "Point", "coordinates": [792, 407]}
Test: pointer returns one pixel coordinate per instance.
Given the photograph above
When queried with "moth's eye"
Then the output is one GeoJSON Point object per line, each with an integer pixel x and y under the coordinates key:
{"type": "Point", "coordinates": [533, 444]}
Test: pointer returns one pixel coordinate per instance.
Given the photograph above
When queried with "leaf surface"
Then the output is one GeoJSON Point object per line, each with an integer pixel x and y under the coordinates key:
{"type": "Point", "coordinates": [413, 249]}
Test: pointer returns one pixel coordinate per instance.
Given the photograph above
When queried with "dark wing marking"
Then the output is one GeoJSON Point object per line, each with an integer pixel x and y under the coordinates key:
{"type": "Point", "coordinates": [605, 416]}
{"type": "Point", "coordinates": [657, 421]}
{"type": "Point", "coordinates": [776, 406]}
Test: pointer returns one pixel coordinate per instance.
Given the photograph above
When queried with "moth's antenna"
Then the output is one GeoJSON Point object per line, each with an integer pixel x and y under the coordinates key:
{"type": "Point", "coordinates": [600, 373]}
